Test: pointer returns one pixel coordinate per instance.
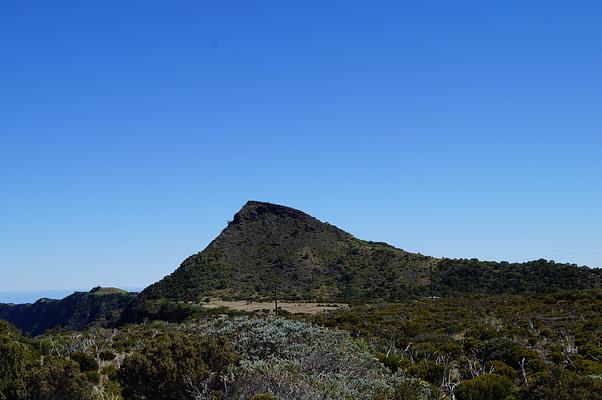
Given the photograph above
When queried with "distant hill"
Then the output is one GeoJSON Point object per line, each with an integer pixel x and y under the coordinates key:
{"type": "Point", "coordinates": [269, 248]}
{"type": "Point", "coordinates": [100, 306]}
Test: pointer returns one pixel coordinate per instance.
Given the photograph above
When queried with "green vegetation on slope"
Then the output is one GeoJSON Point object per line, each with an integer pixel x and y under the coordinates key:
{"type": "Point", "coordinates": [489, 347]}
{"type": "Point", "coordinates": [269, 249]}
{"type": "Point", "coordinates": [100, 306]}
{"type": "Point", "coordinates": [456, 277]}
{"type": "Point", "coordinates": [506, 347]}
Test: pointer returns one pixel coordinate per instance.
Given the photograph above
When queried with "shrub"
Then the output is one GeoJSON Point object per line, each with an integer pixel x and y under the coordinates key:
{"type": "Point", "coordinates": [93, 377]}
{"type": "Point", "coordinates": [13, 366]}
{"type": "Point", "coordinates": [86, 361]}
{"type": "Point", "coordinates": [484, 387]}
{"type": "Point", "coordinates": [503, 369]}
{"type": "Point", "coordinates": [59, 378]}
{"type": "Point", "coordinates": [286, 357]}
{"type": "Point", "coordinates": [561, 384]}
{"type": "Point", "coordinates": [107, 355]}
{"type": "Point", "coordinates": [176, 363]}
{"type": "Point", "coordinates": [413, 389]}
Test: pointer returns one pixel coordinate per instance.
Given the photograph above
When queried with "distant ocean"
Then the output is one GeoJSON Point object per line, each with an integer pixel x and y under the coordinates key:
{"type": "Point", "coordinates": [34, 295]}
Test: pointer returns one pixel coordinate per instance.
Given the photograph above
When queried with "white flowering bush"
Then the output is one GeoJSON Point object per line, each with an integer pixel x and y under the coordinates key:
{"type": "Point", "coordinates": [299, 360]}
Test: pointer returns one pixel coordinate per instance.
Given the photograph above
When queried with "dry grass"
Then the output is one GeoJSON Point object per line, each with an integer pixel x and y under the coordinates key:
{"type": "Point", "coordinates": [268, 306]}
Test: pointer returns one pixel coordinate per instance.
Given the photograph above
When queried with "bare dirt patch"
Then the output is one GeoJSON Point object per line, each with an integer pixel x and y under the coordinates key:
{"type": "Point", "coordinates": [268, 306]}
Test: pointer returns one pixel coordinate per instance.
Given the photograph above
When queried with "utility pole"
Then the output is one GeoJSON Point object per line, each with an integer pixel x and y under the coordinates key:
{"type": "Point", "coordinates": [275, 300]}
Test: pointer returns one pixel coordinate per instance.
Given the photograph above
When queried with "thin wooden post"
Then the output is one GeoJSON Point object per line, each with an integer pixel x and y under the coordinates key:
{"type": "Point", "coordinates": [275, 300]}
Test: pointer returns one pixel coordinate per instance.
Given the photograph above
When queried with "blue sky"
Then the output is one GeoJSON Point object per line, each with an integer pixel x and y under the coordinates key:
{"type": "Point", "coordinates": [131, 131]}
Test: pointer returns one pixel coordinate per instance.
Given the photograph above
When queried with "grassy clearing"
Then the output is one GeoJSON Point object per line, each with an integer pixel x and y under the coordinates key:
{"type": "Point", "coordinates": [268, 306]}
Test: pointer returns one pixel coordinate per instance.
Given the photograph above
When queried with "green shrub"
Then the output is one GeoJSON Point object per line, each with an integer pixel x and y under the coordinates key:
{"type": "Point", "coordinates": [59, 378]}
{"type": "Point", "coordinates": [86, 361]}
{"type": "Point", "coordinates": [560, 384]}
{"type": "Point", "coordinates": [107, 355]}
{"type": "Point", "coordinates": [503, 369]}
{"type": "Point", "coordinates": [484, 387]}
{"type": "Point", "coordinates": [93, 377]}
{"type": "Point", "coordinates": [169, 365]}
{"type": "Point", "coordinates": [13, 366]}
{"type": "Point", "coordinates": [413, 389]}
{"type": "Point", "coordinates": [110, 372]}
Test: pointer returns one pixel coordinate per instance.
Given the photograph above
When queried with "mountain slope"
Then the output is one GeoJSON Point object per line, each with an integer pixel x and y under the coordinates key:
{"type": "Point", "coordinates": [270, 248]}
{"type": "Point", "coordinates": [100, 306]}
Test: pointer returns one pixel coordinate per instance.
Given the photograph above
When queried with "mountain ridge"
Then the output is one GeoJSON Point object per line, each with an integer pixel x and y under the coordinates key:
{"type": "Point", "coordinates": [99, 306]}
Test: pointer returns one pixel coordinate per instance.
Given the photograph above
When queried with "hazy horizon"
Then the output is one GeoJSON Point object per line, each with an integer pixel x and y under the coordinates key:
{"type": "Point", "coordinates": [31, 296]}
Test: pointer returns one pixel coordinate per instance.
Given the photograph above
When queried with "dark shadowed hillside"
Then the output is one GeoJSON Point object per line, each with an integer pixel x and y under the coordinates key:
{"type": "Point", "coordinates": [269, 248]}
{"type": "Point", "coordinates": [100, 306]}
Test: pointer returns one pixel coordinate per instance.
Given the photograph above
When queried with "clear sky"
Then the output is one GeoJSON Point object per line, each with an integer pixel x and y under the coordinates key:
{"type": "Point", "coordinates": [131, 131]}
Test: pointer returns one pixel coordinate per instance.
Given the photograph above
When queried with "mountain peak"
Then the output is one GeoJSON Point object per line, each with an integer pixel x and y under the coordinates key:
{"type": "Point", "coordinates": [269, 247]}
{"type": "Point", "coordinates": [254, 210]}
